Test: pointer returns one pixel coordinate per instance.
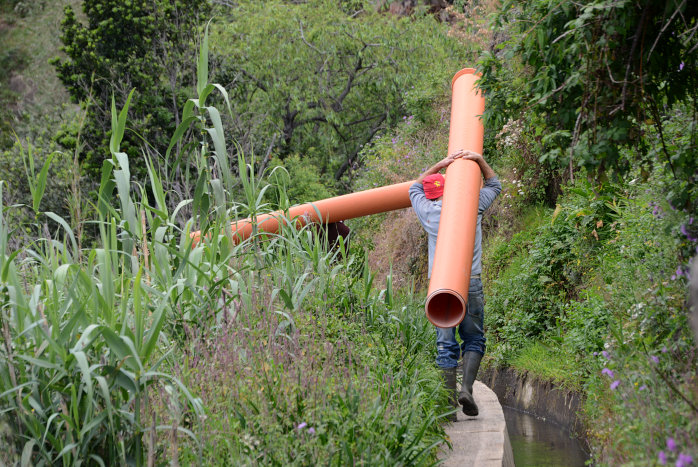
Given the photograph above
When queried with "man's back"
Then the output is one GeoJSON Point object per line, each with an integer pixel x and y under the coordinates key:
{"type": "Point", "coordinates": [429, 214]}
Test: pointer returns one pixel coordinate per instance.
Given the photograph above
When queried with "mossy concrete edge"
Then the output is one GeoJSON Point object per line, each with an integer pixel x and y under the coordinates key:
{"type": "Point", "coordinates": [543, 399]}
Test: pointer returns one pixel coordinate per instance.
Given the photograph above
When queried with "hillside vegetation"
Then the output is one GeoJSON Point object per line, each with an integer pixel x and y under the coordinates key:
{"type": "Point", "coordinates": [123, 343]}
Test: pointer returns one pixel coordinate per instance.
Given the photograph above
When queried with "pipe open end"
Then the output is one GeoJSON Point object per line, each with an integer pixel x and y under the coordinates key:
{"type": "Point", "coordinates": [464, 71]}
{"type": "Point", "coordinates": [445, 308]}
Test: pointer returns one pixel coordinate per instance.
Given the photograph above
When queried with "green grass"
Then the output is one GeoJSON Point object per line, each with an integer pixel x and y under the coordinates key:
{"type": "Point", "coordinates": [503, 254]}
{"type": "Point", "coordinates": [548, 362]}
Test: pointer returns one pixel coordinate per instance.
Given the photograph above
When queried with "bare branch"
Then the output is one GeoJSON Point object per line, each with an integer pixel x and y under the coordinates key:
{"type": "Point", "coordinates": [568, 32]}
{"type": "Point", "coordinates": [692, 31]}
{"type": "Point", "coordinates": [228, 3]}
{"type": "Point", "coordinates": [305, 121]}
{"type": "Point", "coordinates": [267, 156]}
{"type": "Point", "coordinates": [636, 40]}
{"type": "Point", "coordinates": [678, 9]}
{"type": "Point", "coordinates": [352, 75]}
{"type": "Point", "coordinates": [254, 79]}
{"type": "Point", "coordinates": [300, 24]}
{"type": "Point", "coordinates": [350, 160]}
{"type": "Point", "coordinates": [362, 120]}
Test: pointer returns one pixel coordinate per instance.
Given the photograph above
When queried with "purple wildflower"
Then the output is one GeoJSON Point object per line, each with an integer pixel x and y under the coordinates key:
{"type": "Point", "coordinates": [673, 277]}
{"type": "Point", "coordinates": [654, 358]}
{"type": "Point", "coordinates": [301, 426]}
{"type": "Point", "coordinates": [683, 460]}
{"type": "Point", "coordinates": [681, 65]}
{"type": "Point", "coordinates": [607, 372]}
{"type": "Point", "coordinates": [662, 457]}
{"type": "Point", "coordinates": [642, 388]}
{"type": "Point", "coordinates": [657, 212]}
{"type": "Point", "coordinates": [606, 355]}
{"type": "Point", "coordinates": [595, 354]}
{"type": "Point", "coordinates": [311, 430]}
{"type": "Point", "coordinates": [671, 444]}
{"type": "Point", "coordinates": [664, 349]}
{"type": "Point", "coordinates": [615, 384]}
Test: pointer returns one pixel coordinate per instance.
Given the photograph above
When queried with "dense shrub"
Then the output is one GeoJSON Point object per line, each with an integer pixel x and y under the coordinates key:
{"type": "Point", "coordinates": [601, 283]}
{"type": "Point", "coordinates": [597, 71]}
{"type": "Point", "coordinates": [142, 45]}
{"type": "Point", "coordinates": [650, 350]}
{"type": "Point", "coordinates": [301, 181]}
{"type": "Point", "coordinates": [528, 296]}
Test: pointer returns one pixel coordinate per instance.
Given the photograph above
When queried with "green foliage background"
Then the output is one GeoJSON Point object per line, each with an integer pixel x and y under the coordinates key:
{"type": "Point", "coordinates": [125, 344]}
{"type": "Point", "coordinates": [140, 45]}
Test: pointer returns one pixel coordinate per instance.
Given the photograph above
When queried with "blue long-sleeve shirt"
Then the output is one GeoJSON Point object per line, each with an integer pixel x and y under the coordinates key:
{"type": "Point", "coordinates": [429, 214]}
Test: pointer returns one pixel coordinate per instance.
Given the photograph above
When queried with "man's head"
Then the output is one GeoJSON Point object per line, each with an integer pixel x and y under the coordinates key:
{"type": "Point", "coordinates": [434, 186]}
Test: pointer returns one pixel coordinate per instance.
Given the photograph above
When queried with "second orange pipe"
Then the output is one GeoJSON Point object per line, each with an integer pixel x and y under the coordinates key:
{"type": "Point", "coordinates": [339, 208]}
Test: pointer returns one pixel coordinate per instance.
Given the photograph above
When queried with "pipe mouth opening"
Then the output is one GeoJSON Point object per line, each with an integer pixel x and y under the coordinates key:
{"type": "Point", "coordinates": [464, 71]}
{"type": "Point", "coordinates": [445, 308]}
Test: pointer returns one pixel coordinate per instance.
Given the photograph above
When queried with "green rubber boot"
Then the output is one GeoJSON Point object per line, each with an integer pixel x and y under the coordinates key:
{"type": "Point", "coordinates": [449, 376]}
{"type": "Point", "coordinates": [471, 363]}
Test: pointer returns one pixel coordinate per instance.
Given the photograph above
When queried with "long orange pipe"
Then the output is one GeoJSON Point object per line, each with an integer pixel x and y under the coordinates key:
{"type": "Point", "coordinates": [453, 258]}
{"type": "Point", "coordinates": [339, 208]}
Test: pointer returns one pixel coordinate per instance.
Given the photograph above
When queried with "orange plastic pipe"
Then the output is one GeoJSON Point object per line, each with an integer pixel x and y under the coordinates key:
{"type": "Point", "coordinates": [339, 208]}
{"type": "Point", "coordinates": [450, 276]}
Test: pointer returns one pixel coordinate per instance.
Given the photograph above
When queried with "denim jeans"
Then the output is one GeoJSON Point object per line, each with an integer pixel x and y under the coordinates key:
{"type": "Point", "coordinates": [470, 330]}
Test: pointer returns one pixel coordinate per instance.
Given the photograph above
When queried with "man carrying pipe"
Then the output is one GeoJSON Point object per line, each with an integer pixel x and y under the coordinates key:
{"type": "Point", "coordinates": [426, 196]}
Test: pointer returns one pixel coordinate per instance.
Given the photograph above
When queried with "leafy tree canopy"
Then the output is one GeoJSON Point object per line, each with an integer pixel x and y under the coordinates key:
{"type": "Point", "coordinates": [313, 80]}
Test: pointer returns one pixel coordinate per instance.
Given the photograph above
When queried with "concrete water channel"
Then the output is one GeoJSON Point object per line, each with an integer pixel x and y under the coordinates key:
{"type": "Point", "coordinates": [537, 442]}
{"type": "Point", "coordinates": [506, 436]}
